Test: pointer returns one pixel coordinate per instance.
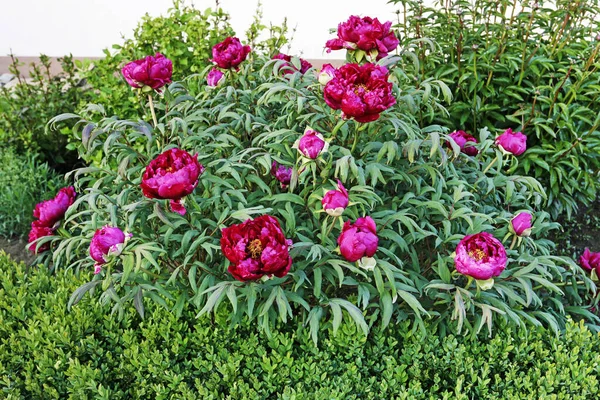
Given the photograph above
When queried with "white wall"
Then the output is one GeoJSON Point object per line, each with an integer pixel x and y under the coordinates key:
{"type": "Point", "coordinates": [85, 27]}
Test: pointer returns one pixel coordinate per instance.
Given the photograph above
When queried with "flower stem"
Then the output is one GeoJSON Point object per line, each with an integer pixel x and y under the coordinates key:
{"type": "Point", "coordinates": [490, 164]}
{"type": "Point", "coordinates": [151, 104]}
{"type": "Point", "coordinates": [512, 244]}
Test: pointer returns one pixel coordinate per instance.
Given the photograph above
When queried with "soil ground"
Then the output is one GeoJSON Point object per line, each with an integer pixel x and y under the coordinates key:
{"type": "Point", "coordinates": [16, 249]}
{"type": "Point", "coordinates": [580, 231]}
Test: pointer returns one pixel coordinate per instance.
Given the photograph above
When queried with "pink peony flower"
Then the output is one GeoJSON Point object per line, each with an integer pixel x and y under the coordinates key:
{"type": "Point", "coordinates": [107, 241]}
{"type": "Point", "coordinates": [49, 212]}
{"type": "Point", "coordinates": [326, 74]}
{"type": "Point", "coordinates": [480, 256]}
{"type": "Point", "coordinates": [590, 260]}
{"type": "Point", "coordinates": [215, 77]}
{"type": "Point", "coordinates": [461, 138]}
{"type": "Point", "coordinates": [311, 144]}
{"type": "Point", "coordinates": [37, 231]}
{"type": "Point", "coordinates": [367, 34]}
{"type": "Point", "coordinates": [335, 201]}
{"type": "Point", "coordinates": [358, 241]}
{"type": "Point", "coordinates": [172, 175]}
{"type": "Point", "coordinates": [361, 92]}
{"type": "Point", "coordinates": [521, 224]}
{"type": "Point", "coordinates": [304, 65]}
{"type": "Point", "coordinates": [512, 142]}
{"type": "Point", "coordinates": [154, 72]}
{"type": "Point", "coordinates": [282, 173]}
{"type": "Point", "coordinates": [229, 53]}
{"type": "Point", "coordinates": [256, 248]}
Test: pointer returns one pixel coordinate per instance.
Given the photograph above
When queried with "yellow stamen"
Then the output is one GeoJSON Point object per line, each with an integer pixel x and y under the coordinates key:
{"type": "Point", "coordinates": [255, 248]}
{"type": "Point", "coordinates": [477, 254]}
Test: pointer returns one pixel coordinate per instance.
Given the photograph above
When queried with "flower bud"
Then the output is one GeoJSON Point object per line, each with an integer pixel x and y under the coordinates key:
{"type": "Point", "coordinates": [326, 74]}
{"type": "Point", "coordinates": [335, 201]}
{"type": "Point", "coordinates": [512, 142]}
{"type": "Point", "coordinates": [107, 242]}
{"type": "Point", "coordinates": [521, 224]}
{"type": "Point", "coordinates": [311, 144]}
{"type": "Point", "coordinates": [215, 77]}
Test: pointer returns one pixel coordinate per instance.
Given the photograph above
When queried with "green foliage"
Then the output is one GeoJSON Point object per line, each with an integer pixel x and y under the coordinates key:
{"type": "Point", "coordinates": [24, 182]}
{"type": "Point", "coordinates": [423, 195]}
{"type": "Point", "coordinates": [47, 351]}
{"type": "Point", "coordinates": [26, 108]}
{"type": "Point", "coordinates": [532, 66]}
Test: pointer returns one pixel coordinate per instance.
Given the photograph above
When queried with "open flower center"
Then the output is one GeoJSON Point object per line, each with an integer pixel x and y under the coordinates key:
{"type": "Point", "coordinates": [360, 86]}
{"type": "Point", "coordinates": [255, 248]}
{"type": "Point", "coordinates": [477, 254]}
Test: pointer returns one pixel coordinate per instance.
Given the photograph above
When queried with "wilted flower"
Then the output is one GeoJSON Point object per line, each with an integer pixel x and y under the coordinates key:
{"type": "Point", "coordinates": [361, 92]}
{"type": "Point", "coordinates": [311, 144]}
{"type": "Point", "coordinates": [37, 232]}
{"type": "Point", "coordinates": [172, 175]}
{"type": "Point", "coordinates": [51, 211]}
{"type": "Point", "coordinates": [461, 138]}
{"type": "Point", "coordinates": [107, 241]}
{"type": "Point", "coordinates": [282, 173]}
{"type": "Point", "coordinates": [521, 224]}
{"type": "Point", "coordinates": [335, 201]}
{"type": "Point", "coordinates": [590, 260]}
{"type": "Point", "coordinates": [326, 74]}
{"type": "Point", "coordinates": [153, 72]}
{"type": "Point", "coordinates": [480, 256]}
{"type": "Point", "coordinates": [256, 248]}
{"type": "Point", "coordinates": [367, 34]}
{"type": "Point", "coordinates": [229, 53]}
{"type": "Point", "coordinates": [512, 142]}
{"type": "Point", "coordinates": [215, 77]}
{"type": "Point", "coordinates": [358, 242]}
{"type": "Point", "coordinates": [304, 65]}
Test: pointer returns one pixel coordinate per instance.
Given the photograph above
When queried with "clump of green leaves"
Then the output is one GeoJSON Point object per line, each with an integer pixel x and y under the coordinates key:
{"type": "Point", "coordinates": [532, 66]}
{"type": "Point", "coordinates": [24, 182]}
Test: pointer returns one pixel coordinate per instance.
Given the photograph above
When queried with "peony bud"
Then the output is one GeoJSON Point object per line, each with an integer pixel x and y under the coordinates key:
{"type": "Point", "coordinates": [311, 144]}
{"type": "Point", "coordinates": [359, 241]}
{"type": "Point", "coordinates": [521, 224]}
{"type": "Point", "coordinates": [282, 173]}
{"type": "Point", "coordinates": [107, 242]}
{"type": "Point", "coordinates": [215, 77]}
{"type": "Point", "coordinates": [512, 142]}
{"type": "Point", "coordinates": [461, 138]}
{"type": "Point", "coordinates": [326, 74]}
{"type": "Point", "coordinates": [335, 201]}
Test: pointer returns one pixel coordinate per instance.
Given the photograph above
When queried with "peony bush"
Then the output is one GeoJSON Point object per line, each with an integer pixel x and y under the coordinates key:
{"type": "Point", "coordinates": [278, 190]}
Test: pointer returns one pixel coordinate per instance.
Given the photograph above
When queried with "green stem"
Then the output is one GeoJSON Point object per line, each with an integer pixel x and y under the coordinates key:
{"type": "Point", "coordinates": [490, 165]}
{"type": "Point", "coordinates": [151, 104]}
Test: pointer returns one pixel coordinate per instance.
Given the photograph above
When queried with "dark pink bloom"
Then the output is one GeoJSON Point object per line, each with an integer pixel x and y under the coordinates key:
{"type": "Point", "coordinates": [51, 211]}
{"type": "Point", "coordinates": [361, 92]}
{"type": "Point", "coordinates": [256, 248]}
{"type": "Point", "coordinates": [229, 53]}
{"type": "Point", "coordinates": [215, 77]}
{"type": "Point", "coordinates": [367, 34]}
{"type": "Point", "coordinates": [461, 138]}
{"type": "Point", "coordinates": [326, 74]}
{"type": "Point", "coordinates": [512, 142]}
{"type": "Point", "coordinates": [311, 144]}
{"type": "Point", "coordinates": [172, 175]}
{"type": "Point", "coordinates": [304, 65]}
{"type": "Point", "coordinates": [521, 224]}
{"type": "Point", "coordinates": [590, 260]}
{"type": "Point", "coordinates": [358, 240]}
{"type": "Point", "coordinates": [37, 231]}
{"type": "Point", "coordinates": [480, 256]}
{"type": "Point", "coordinates": [282, 173]}
{"type": "Point", "coordinates": [154, 72]}
{"type": "Point", "coordinates": [107, 241]}
{"type": "Point", "coordinates": [335, 201]}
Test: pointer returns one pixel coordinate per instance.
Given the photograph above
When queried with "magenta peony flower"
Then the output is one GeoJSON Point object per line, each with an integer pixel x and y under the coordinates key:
{"type": "Point", "coordinates": [256, 248]}
{"type": "Point", "coordinates": [480, 256]}
{"type": "Point", "coordinates": [590, 260]}
{"type": "Point", "coordinates": [49, 212]}
{"type": "Point", "coordinates": [358, 241]}
{"type": "Point", "coordinates": [107, 241]}
{"type": "Point", "coordinates": [361, 92]}
{"type": "Point", "coordinates": [512, 143]}
{"type": "Point", "coordinates": [521, 224]}
{"type": "Point", "coordinates": [172, 175]}
{"type": "Point", "coordinates": [215, 77]}
{"type": "Point", "coordinates": [335, 201]}
{"type": "Point", "coordinates": [311, 144]}
{"type": "Point", "coordinates": [154, 72]}
{"type": "Point", "coordinates": [37, 231]}
{"type": "Point", "coordinates": [326, 74]}
{"type": "Point", "coordinates": [367, 34]}
{"type": "Point", "coordinates": [229, 53]}
{"type": "Point", "coordinates": [461, 138]}
{"type": "Point", "coordinates": [304, 65]}
{"type": "Point", "coordinates": [282, 173]}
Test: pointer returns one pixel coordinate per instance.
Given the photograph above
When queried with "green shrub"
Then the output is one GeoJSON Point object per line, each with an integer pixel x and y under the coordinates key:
{"type": "Point", "coordinates": [532, 66]}
{"type": "Point", "coordinates": [26, 108]}
{"type": "Point", "coordinates": [24, 182]}
{"type": "Point", "coordinates": [48, 352]}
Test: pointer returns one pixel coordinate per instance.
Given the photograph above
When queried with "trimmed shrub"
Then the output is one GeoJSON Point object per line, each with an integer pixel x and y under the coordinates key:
{"type": "Point", "coordinates": [48, 352]}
